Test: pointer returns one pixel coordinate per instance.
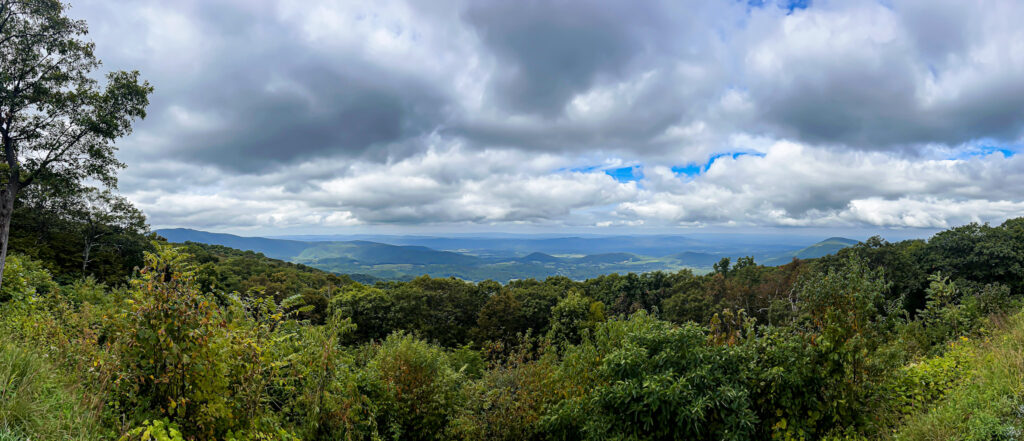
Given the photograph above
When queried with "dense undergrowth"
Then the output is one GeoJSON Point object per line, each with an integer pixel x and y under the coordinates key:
{"type": "Point", "coordinates": [914, 340]}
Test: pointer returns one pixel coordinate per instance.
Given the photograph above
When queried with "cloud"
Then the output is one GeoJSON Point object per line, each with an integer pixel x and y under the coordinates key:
{"type": "Point", "coordinates": [878, 76]}
{"type": "Point", "coordinates": [790, 185]}
{"type": "Point", "coordinates": [796, 185]}
{"type": "Point", "coordinates": [444, 185]}
{"type": "Point", "coordinates": [327, 114]}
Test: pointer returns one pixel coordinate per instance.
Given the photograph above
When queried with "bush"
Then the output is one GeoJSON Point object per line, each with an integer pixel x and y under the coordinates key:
{"type": "Point", "coordinates": [823, 373]}
{"type": "Point", "coordinates": [330, 403]}
{"type": "Point", "coordinates": [653, 380]}
{"type": "Point", "coordinates": [415, 388]}
{"type": "Point", "coordinates": [174, 363]}
{"type": "Point", "coordinates": [24, 280]}
{"type": "Point", "coordinates": [917, 386]}
{"type": "Point", "coordinates": [507, 402]}
{"type": "Point", "coordinates": [156, 430]}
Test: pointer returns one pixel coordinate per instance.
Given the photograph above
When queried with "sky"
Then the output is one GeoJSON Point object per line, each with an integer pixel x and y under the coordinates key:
{"type": "Point", "coordinates": [350, 116]}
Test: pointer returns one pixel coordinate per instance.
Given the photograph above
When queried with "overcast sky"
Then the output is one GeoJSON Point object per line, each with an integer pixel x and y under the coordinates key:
{"type": "Point", "coordinates": [445, 115]}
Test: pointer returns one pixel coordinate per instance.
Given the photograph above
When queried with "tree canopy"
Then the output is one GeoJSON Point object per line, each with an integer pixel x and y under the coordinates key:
{"type": "Point", "coordinates": [56, 120]}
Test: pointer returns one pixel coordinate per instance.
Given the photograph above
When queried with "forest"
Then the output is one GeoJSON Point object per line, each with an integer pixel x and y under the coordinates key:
{"type": "Point", "coordinates": [919, 339]}
{"type": "Point", "coordinates": [109, 332]}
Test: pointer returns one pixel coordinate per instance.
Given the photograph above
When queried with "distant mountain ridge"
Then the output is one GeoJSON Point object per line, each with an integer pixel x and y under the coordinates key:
{"type": "Point", "coordinates": [824, 248]}
{"type": "Point", "coordinates": [274, 248]}
{"type": "Point", "coordinates": [380, 253]}
{"type": "Point", "coordinates": [576, 258]}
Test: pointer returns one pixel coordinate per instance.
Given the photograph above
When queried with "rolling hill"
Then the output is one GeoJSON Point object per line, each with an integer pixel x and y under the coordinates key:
{"type": "Point", "coordinates": [379, 253]}
{"type": "Point", "coordinates": [273, 248]}
{"type": "Point", "coordinates": [828, 246]}
{"type": "Point", "coordinates": [511, 260]}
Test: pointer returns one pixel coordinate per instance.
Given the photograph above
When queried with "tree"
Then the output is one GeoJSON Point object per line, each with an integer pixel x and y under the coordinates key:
{"type": "Point", "coordinates": [722, 267]}
{"type": "Point", "coordinates": [79, 231]}
{"type": "Point", "coordinates": [55, 118]}
{"type": "Point", "coordinates": [572, 316]}
{"type": "Point", "coordinates": [105, 216]}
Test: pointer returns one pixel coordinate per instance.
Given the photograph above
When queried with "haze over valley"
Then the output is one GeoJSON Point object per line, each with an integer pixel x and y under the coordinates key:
{"type": "Point", "coordinates": [524, 257]}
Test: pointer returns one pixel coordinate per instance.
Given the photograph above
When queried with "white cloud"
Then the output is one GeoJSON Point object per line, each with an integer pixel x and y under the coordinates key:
{"type": "Point", "coordinates": [797, 185]}
{"type": "Point", "coordinates": [329, 114]}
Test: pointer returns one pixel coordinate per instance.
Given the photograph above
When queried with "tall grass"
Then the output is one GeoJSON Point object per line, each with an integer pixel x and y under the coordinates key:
{"type": "Point", "coordinates": [35, 404]}
{"type": "Point", "coordinates": [989, 404]}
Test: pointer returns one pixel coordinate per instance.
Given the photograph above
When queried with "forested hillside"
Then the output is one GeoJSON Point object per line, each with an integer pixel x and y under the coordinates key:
{"type": "Point", "coordinates": [497, 259]}
{"type": "Point", "coordinates": [908, 340]}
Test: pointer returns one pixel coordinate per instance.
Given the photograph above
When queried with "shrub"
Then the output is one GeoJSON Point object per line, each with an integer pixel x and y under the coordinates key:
{"type": "Point", "coordinates": [329, 404]}
{"type": "Point", "coordinates": [653, 380]}
{"type": "Point", "coordinates": [415, 388]}
{"type": "Point", "coordinates": [156, 430]}
{"type": "Point", "coordinates": [919, 385]}
{"type": "Point", "coordinates": [823, 373]}
{"type": "Point", "coordinates": [174, 363]}
{"type": "Point", "coordinates": [508, 400]}
{"type": "Point", "coordinates": [24, 280]}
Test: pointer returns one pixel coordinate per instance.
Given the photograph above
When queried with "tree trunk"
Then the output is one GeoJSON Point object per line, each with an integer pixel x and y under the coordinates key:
{"type": "Point", "coordinates": [85, 257]}
{"type": "Point", "coordinates": [6, 212]}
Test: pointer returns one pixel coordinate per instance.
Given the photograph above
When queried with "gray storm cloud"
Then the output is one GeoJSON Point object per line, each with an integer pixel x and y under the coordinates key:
{"type": "Point", "coordinates": [278, 115]}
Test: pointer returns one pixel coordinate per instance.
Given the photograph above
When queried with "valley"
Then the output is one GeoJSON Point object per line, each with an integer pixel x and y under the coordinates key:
{"type": "Point", "coordinates": [511, 258]}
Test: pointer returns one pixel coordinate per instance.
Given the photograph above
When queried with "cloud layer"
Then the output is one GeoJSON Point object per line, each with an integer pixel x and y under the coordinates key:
{"type": "Point", "coordinates": [324, 115]}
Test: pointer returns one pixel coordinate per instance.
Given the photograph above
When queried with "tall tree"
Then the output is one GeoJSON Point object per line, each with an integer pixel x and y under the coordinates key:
{"type": "Point", "coordinates": [55, 118]}
{"type": "Point", "coordinates": [104, 217]}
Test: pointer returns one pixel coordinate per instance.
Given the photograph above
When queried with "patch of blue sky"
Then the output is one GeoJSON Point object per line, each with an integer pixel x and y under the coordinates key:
{"type": "Point", "coordinates": [626, 174]}
{"type": "Point", "coordinates": [688, 170]}
{"type": "Point", "coordinates": [693, 169]}
{"type": "Point", "coordinates": [632, 173]}
{"type": "Point", "coordinates": [982, 151]}
{"type": "Point", "coordinates": [587, 169]}
{"type": "Point", "coordinates": [788, 5]}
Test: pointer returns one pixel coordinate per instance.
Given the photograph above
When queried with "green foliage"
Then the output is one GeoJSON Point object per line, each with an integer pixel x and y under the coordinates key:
{"type": "Point", "coordinates": [689, 302]}
{"type": "Point", "coordinates": [156, 430]}
{"type": "Point", "coordinates": [171, 341]}
{"type": "Point", "coordinates": [221, 271]}
{"type": "Point", "coordinates": [920, 384]}
{"type": "Point", "coordinates": [223, 344]}
{"type": "Point", "coordinates": [24, 280]}
{"type": "Point", "coordinates": [722, 267]}
{"type": "Point", "coordinates": [415, 388]}
{"type": "Point", "coordinates": [330, 404]}
{"type": "Point", "coordinates": [652, 380]}
{"type": "Point", "coordinates": [508, 401]}
{"type": "Point", "coordinates": [980, 253]}
{"type": "Point", "coordinates": [902, 263]}
{"type": "Point", "coordinates": [625, 294]}
{"type": "Point", "coordinates": [59, 124]}
{"type": "Point", "coordinates": [822, 374]}
{"type": "Point", "coordinates": [370, 309]}
{"type": "Point", "coordinates": [985, 404]}
{"type": "Point", "coordinates": [575, 316]}
{"type": "Point", "coordinates": [439, 310]}
{"type": "Point", "coordinates": [518, 308]}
